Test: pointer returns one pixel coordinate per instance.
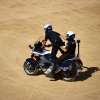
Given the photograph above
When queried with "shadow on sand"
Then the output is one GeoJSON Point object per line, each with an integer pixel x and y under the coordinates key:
{"type": "Point", "coordinates": [83, 75]}
{"type": "Point", "coordinates": [87, 74]}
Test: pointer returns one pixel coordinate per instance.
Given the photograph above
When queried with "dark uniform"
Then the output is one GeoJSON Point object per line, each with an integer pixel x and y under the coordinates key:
{"type": "Point", "coordinates": [71, 47]}
{"type": "Point", "coordinates": [56, 41]}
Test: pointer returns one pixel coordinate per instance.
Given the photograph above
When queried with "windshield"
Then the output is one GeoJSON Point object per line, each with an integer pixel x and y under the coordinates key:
{"type": "Point", "coordinates": [41, 38]}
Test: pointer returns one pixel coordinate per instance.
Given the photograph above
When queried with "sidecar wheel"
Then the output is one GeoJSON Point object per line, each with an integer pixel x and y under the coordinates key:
{"type": "Point", "coordinates": [68, 77]}
{"type": "Point", "coordinates": [30, 69]}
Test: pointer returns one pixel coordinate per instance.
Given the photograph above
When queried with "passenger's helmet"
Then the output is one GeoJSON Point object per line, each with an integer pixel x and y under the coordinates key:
{"type": "Point", "coordinates": [47, 28]}
{"type": "Point", "coordinates": [70, 35]}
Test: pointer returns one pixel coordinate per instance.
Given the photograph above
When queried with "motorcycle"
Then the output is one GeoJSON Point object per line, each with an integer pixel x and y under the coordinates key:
{"type": "Point", "coordinates": [40, 60]}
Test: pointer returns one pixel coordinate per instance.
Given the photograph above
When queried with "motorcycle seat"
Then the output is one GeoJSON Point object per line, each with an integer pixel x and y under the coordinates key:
{"type": "Point", "coordinates": [73, 58]}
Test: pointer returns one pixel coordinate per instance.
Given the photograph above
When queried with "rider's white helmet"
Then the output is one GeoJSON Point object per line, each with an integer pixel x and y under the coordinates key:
{"type": "Point", "coordinates": [47, 27]}
{"type": "Point", "coordinates": [70, 35]}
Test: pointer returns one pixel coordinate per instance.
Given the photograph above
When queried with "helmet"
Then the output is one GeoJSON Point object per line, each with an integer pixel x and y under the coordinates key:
{"type": "Point", "coordinates": [47, 28]}
{"type": "Point", "coordinates": [70, 35]}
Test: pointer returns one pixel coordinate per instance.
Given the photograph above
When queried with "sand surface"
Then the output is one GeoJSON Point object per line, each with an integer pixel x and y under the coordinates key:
{"type": "Point", "coordinates": [22, 22]}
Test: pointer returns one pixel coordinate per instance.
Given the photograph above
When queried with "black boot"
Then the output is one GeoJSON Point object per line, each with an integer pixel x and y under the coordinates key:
{"type": "Point", "coordinates": [51, 75]}
{"type": "Point", "coordinates": [58, 69]}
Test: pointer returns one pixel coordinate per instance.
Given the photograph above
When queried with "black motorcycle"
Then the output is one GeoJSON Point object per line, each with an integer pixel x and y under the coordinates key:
{"type": "Point", "coordinates": [40, 60]}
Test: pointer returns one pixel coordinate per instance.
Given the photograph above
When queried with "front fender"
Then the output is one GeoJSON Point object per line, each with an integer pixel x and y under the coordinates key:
{"type": "Point", "coordinates": [29, 60]}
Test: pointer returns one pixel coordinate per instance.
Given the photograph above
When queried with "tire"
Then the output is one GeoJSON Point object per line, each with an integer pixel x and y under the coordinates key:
{"type": "Point", "coordinates": [68, 77]}
{"type": "Point", "coordinates": [30, 69]}
{"type": "Point", "coordinates": [70, 73]}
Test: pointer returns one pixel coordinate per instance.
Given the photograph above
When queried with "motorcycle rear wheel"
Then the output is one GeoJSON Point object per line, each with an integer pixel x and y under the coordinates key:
{"type": "Point", "coordinates": [30, 69]}
{"type": "Point", "coordinates": [68, 77]}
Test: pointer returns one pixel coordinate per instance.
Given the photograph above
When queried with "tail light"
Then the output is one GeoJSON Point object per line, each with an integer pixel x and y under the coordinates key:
{"type": "Point", "coordinates": [76, 60]}
{"type": "Point", "coordinates": [78, 63]}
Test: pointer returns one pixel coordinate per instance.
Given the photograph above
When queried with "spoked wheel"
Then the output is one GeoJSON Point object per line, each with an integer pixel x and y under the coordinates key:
{"type": "Point", "coordinates": [68, 77]}
{"type": "Point", "coordinates": [30, 69]}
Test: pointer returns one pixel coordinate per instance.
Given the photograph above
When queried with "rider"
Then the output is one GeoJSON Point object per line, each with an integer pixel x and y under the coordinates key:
{"type": "Point", "coordinates": [54, 38]}
{"type": "Point", "coordinates": [69, 50]}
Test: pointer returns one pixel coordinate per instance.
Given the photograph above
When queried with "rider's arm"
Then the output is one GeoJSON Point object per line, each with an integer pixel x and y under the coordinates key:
{"type": "Point", "coordinates": [64, 49]}
{"type": "Point", "coordinates": [43, 43]}
{"type": "Point", "coordinates": [67, 47]}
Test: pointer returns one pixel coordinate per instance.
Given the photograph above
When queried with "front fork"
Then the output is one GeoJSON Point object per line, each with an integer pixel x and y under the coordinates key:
{"type": "Point", "coordinates": [31, 61]}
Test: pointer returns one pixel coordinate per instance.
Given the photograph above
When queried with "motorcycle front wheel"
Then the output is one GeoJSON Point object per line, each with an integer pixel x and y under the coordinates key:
{"type": "Point", "coordinates": [30, 69]}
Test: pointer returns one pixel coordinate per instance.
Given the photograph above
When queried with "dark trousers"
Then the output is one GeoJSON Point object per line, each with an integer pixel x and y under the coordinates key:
{"type": "Point", "coordinates": [64, 57]}
{"type": "Point", "coordinates": [54, 53]}
{"type": "Point", "coordinates": [56, 46]}
{"type": "Point", "coordinates": [54, 58]}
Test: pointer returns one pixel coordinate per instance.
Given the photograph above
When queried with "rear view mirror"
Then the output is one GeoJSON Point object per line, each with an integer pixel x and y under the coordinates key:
{"type": "Point", "coordinates": [78, 41]}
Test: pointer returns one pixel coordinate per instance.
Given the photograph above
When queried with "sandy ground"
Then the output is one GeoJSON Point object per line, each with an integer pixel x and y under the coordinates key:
{"type": "Point", "coordinates": [22, 22]}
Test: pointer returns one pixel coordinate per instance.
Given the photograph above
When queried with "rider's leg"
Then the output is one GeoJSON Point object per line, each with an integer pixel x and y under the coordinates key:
{"type": "Point", "coordinates": [58, 69]}
{"type": "Point", "coordinates": [54, 60]}
{"type": "Point", "coordinates": [48, 71]}
{"type": "Point", "coordinates": [62, 58]}
{"type": "Point", "coordinates": [55, 68]}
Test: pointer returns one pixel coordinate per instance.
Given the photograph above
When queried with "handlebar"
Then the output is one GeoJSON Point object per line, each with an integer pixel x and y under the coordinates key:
{"type": "Point", "coordinates": [30, 47]}
{"type": "Point", "coordinates": [49, 45]}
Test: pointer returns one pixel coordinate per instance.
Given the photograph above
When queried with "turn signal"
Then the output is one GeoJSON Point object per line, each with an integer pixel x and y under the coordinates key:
{"type": "Point", "coordinates": [34, 58]}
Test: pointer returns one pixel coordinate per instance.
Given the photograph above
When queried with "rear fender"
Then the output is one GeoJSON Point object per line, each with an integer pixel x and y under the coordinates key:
{"type": "Point", "coordinates": [78, 63]}
{"type": "Point", "coordinates": [68, 66]}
